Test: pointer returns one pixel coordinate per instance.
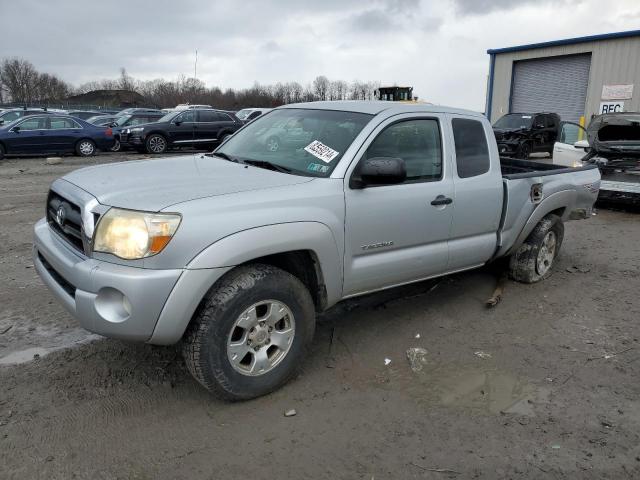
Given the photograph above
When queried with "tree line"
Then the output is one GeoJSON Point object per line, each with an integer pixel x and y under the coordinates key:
{"type": "Point", "coordinates": [20, 82]}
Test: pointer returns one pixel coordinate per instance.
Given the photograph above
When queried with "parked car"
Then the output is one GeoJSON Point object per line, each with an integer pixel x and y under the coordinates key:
{"type": "Point", "coordinates": [614, 146]}
{"type": "Point", "coordinates": [13, 114]}
{"type": "Point", "coordinates": [53, 134]}
{"type": "Point", "coordinates": [248, 114]}
{"type": "Point", "coordinates": [103, 120]}
{"type": "Point", "coordinates": [520, 134]}
{"type": "Point", "coordinates": [83, 114]}
{"type": "Point", "coordinates": [131, 120]}
{"type": "Point", "coordinates": [129, 111]}
{"type": "Point", "coordinates": [187, 106]}
{"type": "Point", "coordinates": [194, 127]}
{"type": "Point", "coordinates": [241, 247]}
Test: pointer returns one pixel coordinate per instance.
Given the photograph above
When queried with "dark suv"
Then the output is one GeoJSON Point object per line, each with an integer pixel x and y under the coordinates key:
{"type": "Point", "coordinates": [520, 134]}
{"type": "Point", "coordinates": [123, 122]}
{"type": "Point", "coordinates": [198, 127]}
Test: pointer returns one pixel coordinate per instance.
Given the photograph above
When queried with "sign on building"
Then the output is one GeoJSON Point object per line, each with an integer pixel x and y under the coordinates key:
{"type": "Point", "coordinates": [617, 92]}
{"type": "Point", "coordinates": [611, 107]}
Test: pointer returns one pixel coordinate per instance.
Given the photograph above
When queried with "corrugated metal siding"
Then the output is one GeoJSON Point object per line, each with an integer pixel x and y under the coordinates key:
{"type": "Point", "coordinates": [612, 62]}
{"type": "Point", "coordinates": [557, 84]}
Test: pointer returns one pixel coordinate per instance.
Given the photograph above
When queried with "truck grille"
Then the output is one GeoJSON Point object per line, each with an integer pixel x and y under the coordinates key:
{"type": "Point", "coordinates": [65, 217]}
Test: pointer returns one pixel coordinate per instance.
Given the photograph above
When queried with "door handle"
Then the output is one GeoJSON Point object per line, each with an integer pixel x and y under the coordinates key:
{"type": "Point", "coordinates": [441, 200]}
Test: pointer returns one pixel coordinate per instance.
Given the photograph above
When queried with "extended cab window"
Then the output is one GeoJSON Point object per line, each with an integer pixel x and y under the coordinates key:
{"type": "Point", "coordinates": [417, 142]}
{"type": "Point", "coordinates": [472, 151]}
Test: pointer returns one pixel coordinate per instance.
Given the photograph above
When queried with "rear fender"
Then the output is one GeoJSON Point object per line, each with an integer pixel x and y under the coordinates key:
{"type": "Point", "coordinates": [556, 201]}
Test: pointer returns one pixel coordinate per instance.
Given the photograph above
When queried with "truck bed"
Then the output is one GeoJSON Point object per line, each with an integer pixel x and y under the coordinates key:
{"type": "Point", "coordinates": [565, 190]}
{"type": "Point", "coordinates": [513, 168]}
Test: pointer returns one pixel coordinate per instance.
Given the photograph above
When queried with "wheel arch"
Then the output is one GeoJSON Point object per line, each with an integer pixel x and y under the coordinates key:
{"type": "Point", "coordinates": [307, 250]}
{"type": "Point", "coordinates": [557, 204]}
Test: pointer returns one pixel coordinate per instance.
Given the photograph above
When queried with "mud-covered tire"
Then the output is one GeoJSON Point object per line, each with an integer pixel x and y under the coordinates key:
{"type": "Point", "coordinates": [533, 261]}
{"type": "Point", "coordinates": [205, 343]}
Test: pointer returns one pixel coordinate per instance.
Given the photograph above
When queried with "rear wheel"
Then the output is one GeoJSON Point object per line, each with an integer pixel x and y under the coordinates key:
{"type": "Point", "coordinates": [156, 144]}
{"type": "Point", "coordinates": [85, 148]}
{"type": "Point", "coordinates": [2, 152]}
{"type": "Point", "coordinates": [534, 259]}
{"type": "Point", "coordinates": [250, 333]}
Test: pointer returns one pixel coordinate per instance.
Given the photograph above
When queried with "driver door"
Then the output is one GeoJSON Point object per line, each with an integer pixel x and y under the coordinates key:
{"type": "Point", "coordinates": [564, 150]}
{"type": "Point", "coordinates": [393, 233]}
{"type": "Point", "coordinates": [181, 129]}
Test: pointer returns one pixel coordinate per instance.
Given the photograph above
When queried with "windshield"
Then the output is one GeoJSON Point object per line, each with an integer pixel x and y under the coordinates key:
{"type": "Point", "coordinates": [242, 114]}
{"type": "Point", "coordinates": [122, 120]}
{"type": "Point", "coordinates": [167, 117]}
{"type": "Point", "coordinates": [514, 121]}
{"type": "Point", "coordinates": [307, 142]}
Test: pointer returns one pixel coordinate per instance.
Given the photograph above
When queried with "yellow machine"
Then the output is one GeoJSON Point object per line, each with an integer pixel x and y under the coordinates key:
{"type": "Point", "coordinates": [396, 94]}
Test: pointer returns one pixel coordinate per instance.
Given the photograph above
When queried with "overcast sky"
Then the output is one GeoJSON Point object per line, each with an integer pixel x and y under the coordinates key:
{"type": "Point", "coordinates": [437, 46]}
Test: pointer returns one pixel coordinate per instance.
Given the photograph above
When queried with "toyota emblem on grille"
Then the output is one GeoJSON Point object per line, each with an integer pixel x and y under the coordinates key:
{"type": "Point", "coordinates": [61, 215]}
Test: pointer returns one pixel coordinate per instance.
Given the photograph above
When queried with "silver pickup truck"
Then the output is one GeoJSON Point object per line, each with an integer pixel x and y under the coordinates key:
{"type": "Point", "coordinates": [233, 253]}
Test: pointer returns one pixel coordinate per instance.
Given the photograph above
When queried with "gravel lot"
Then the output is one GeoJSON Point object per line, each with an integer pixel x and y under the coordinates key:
{"type": "Point", "coordinates": [545, 385]}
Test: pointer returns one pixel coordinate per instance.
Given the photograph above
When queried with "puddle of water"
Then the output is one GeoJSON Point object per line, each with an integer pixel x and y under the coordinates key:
{"type": "Point", "coordinates": [490, 391]}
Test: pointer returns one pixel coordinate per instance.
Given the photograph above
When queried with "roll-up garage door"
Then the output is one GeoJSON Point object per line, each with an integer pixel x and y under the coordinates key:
{"type": "Point", "coordinates": [552, 84]}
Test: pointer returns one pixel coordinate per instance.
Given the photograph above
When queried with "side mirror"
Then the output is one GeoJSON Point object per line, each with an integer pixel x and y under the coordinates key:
{"type": "Point", "coordinates": [177, 123]}
{"type": "Point", "coordinates": [16, 129]}
{"type": "Point", "coordinates": [539, 125]}
{"type": "Point", "coordinates": [581, 144]}
{"type": "Point", "coordinates": [380, 171]}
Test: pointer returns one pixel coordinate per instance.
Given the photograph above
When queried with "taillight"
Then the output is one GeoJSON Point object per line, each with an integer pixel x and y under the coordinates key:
{"type": "Point", "coordinates": [108, 132]}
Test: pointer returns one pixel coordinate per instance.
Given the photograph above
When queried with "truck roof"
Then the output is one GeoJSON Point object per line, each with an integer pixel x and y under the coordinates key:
{"type": "Point", "coordinates": [374, 107]}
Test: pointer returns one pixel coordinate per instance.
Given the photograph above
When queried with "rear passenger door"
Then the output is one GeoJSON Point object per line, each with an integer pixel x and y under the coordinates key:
{"type": "Point", "coordinates": [394, 234]}
{"type": "Point", "coordinates": [63, 133]}
{"type": "Point", "coordinates": [478, 196]}
{"type": "Point", "coordinates": [208, 126]}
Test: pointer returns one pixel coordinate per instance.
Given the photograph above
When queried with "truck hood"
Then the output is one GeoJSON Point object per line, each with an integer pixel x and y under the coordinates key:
{"type": "Point", "coordinates": [153, 185]}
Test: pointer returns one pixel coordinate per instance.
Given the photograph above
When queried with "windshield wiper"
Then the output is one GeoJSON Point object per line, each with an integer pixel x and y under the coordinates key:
{"type": "Point", "coordinates": [222, 155]}
{"type": "Point", "coordinates": [267, 165]}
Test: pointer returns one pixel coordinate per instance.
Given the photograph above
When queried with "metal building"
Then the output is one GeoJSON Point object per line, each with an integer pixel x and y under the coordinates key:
{"type": "Point", "coordinates": [576, 77]}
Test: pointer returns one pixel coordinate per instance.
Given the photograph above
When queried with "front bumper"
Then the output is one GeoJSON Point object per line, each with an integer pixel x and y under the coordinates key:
{"type": "Point", "coordinates": [108, 299]}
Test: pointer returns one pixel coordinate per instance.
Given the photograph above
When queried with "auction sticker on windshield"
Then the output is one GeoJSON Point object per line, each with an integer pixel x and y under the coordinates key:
{"type": "Point", "coordinates": [321, 151]}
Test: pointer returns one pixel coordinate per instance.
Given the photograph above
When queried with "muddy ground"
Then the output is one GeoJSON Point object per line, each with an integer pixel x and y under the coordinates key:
{"type": "Point", "coordinates": [543, 386]}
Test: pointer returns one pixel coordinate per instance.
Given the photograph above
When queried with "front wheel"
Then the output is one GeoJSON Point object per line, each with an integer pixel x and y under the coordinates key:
{"type": "Point", "coordinates": [116, 146]}
{"type": "Point", "coordinates": [85, 148]}
{"type": "Point", "coordinates": [2, 152]}
{"type": "Point", "coordinates": [156, 144]}
{"type": "Point", "coordinates": [250, 333]}
{"type": "Point", "coordinates": [534, 259]}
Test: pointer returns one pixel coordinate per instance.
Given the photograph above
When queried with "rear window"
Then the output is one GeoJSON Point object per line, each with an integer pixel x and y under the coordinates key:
{"type": "Point", "coordinates": [472, 151]}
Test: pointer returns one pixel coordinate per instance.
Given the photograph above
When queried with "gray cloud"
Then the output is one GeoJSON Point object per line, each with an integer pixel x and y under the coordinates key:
{"type": "Point", "coordinates": [479, 7]}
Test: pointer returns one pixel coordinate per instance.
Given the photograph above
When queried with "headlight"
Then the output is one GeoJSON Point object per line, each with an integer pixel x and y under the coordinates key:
{"type": "Point", "coordinates": [132, 235]}
{"type": "Point", "coordinates": [135, 130]}
{"type": "Point", "coordinates": [577, 163]}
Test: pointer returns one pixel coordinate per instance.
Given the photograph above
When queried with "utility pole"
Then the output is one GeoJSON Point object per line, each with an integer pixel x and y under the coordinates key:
{"type": "Point", "coordinates": [195, 66]}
